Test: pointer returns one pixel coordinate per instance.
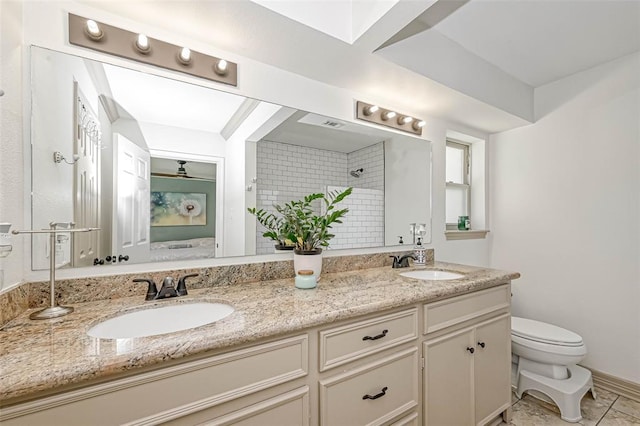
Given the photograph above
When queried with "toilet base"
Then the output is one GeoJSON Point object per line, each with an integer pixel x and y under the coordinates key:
{"type": "Point", "coordinates": [566, 393]}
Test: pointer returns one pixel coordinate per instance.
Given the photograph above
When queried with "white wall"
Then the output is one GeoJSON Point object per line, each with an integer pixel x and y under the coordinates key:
{"type": "Point", "coordinates": [234, 181]}
{"type": "Point", "coordinates": [565, 212]}
{"type": "Point", "coordinates": [11, 146]}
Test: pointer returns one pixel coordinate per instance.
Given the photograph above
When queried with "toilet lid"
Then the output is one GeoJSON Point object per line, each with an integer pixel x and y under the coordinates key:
{"type": "Point", "coordinates": [543, 332]}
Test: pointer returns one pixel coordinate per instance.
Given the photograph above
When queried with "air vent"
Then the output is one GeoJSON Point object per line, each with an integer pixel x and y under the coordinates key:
{"type": "Point", "coordinates": [319, 120]}
{"type": "Point", "coordinates": [334, 124]}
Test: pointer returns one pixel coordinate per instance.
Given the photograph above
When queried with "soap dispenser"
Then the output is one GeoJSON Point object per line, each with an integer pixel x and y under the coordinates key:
{"type": "Point", "coordinates": [420, 254]}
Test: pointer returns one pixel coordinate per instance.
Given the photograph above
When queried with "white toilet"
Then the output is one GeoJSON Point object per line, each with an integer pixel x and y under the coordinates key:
{"type": "Point", "coordinates": [544, 361]}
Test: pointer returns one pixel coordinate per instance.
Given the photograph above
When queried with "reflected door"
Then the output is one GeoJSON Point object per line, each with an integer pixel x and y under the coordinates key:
{"type": "Point", "coordinates": [131, 200]}
{"type": "Point", "coordinates": [86, 209]}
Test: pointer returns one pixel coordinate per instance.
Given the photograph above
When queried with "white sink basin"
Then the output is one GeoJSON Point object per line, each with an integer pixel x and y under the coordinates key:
{"type": "Point", "coordinates": [432, 275]}
{"type": "Point", "coordinates": [160, 320]}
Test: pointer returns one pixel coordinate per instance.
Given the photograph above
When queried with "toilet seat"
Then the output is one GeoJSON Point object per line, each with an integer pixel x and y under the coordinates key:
{"type": "Point", "coordinates": [546, 334]}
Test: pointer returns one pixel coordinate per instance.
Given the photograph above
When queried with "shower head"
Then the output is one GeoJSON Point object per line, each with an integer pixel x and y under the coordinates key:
{"type": "Point", "coordinates": [356, 173]}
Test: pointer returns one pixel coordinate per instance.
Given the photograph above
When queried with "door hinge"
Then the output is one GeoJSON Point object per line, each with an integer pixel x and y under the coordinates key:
{"type": "Point", "coordinates": [422, 362]}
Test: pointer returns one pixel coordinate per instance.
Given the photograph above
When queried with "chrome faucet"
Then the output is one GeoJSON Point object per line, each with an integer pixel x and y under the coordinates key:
{"type": "Point", "coordinates": [167, 290]}
{"type": "Point", "coordinates": [402, 261]}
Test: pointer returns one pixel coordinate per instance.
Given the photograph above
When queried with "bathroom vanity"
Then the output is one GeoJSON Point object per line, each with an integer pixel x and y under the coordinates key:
{"type": "Point", "coordinates": [365, 347]}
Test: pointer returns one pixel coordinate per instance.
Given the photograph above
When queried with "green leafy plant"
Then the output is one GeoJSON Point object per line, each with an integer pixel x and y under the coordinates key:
{"type": "Point", "coordinates": [277, 228]}
{"type": "Point", "coordinates": [311, 231]}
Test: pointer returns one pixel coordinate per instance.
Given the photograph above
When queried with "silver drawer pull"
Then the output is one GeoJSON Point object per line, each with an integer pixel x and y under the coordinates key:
{"type": "Point", "coordinates": [381, 394]}
{"type": "Point", "coordinates": [379, 336]}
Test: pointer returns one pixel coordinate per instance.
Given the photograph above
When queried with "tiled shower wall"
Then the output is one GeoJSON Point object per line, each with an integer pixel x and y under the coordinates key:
{"type": "Point", "coordinates": [363, 226]}
{"type": "Point", "coordinates": [289, 172]}
{"type": "Point", "coordinates": [371, 159]}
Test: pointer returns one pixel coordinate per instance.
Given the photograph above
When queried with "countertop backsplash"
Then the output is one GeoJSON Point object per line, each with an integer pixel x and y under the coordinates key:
{"type": "Point", "coordinates": [80, 290]}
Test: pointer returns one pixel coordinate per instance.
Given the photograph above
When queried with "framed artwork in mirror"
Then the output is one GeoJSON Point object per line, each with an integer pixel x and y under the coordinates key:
{"type": "Point", "coordinates": [178, 209]}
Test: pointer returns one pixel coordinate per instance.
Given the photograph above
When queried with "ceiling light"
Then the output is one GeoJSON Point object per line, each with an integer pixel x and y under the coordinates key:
{"type": "Point", "coordinates": [371, 109]}
{"type": "Point", "coordinates": [221, 67]}
{"type": "Point", "coordinates": [388, 114]}
{"type": "Point", "coordinates": [185, 56]}
{"type": "Point", "coordinates": [93, 30]}
{"type": "Point", "coordinates": [417, 125]}
{"type": "Point", "coordinates": [142, 43]}
{"type": "Point", "coordinates": [404, 120]}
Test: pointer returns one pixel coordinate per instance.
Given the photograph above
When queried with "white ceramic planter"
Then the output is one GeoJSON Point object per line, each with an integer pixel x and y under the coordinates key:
{"type": "Point", "coordinates": [312, 262]}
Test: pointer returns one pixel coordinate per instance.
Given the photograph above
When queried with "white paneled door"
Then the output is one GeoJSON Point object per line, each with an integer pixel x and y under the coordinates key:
{"type": "Point", "coordinates": [131, 200]}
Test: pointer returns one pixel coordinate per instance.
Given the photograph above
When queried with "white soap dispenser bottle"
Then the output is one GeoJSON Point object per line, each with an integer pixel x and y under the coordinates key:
{"type": "Point", "coordinates": [420, 254]}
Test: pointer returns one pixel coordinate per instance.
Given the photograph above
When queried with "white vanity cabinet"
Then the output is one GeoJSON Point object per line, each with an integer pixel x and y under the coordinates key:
{"type": "Point", "coordinates": [250, 386]}
{"type": "Point", "coordinates": [467, 355]}
{"type": "Point", "coordinates": [379, 381]}
{"type": "Point", "coordinates": [440, 363]}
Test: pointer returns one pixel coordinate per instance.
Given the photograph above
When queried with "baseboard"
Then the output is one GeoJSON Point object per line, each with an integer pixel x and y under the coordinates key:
{"type": "Point", "coordinates": [616, 385]}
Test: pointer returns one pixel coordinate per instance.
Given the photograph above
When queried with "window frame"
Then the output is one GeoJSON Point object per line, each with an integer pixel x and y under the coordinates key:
{"type": "Point", "coordinates": [466, 148]}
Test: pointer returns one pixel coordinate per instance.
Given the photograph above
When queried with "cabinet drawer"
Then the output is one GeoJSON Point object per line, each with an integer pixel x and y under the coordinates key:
{"type": "Point", "coordinates": [439, 315]}
{"type": "Point", "coordinates": [290, 408]}
{"type": "Point", "coordinates": [173, 392]}
{"type": "Point", "coordinates": [353, 341]}
{"type": "Point", "coordinates": [390, 384]}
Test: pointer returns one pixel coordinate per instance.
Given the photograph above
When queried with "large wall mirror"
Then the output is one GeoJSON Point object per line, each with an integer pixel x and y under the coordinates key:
{"type": "Point", "coordinates": [167, 169]}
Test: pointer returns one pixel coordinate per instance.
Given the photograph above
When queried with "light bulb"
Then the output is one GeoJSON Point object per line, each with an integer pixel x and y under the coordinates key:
{"type": "Point", "coordinates": [405, 120]}
{"type": "Point", "coordinates": [221, 67]}
{"type": "Point", "coordinates": [371, 109]}
{"type": "Point", "coordinates": [387, 115]}
{"type": "Point", "coordinates": [417, 125]}
{"type": "Point", "coordinates": [185, 55]}
{"type": "Point", "coordinates": [142, 43]}
{"type": "Point", "coordinates": [93, 30]}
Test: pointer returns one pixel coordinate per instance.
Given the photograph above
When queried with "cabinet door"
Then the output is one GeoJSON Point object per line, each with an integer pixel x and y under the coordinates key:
{"type": "Point", "coordinates": [448, 379]}
{"type": "Point", "coordinates": [492, 368]}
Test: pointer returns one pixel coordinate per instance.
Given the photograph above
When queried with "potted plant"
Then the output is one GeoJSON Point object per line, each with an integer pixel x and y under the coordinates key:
{"type": "Point", "coordinates": [277, 228]}
{"type": "Point", "coordinates": [311, 231]}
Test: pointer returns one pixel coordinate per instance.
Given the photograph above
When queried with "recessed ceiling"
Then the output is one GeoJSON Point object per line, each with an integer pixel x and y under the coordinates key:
{"type": "Point", "coordinates": [316, 131]}
{"type": "Point", "coordinates": [152, 99]}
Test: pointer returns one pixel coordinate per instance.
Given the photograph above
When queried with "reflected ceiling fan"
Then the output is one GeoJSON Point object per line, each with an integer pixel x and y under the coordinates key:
{"type": "Point", "coordinates": [181, 173]}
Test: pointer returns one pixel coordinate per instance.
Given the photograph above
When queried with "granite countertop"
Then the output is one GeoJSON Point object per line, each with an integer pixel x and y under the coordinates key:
{"type": "Point", "coordinates": [40, 357]}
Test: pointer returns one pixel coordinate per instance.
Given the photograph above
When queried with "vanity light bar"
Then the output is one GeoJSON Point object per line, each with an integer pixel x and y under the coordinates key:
{"type": "Point", "coordinates": [389, 118]}
{"type": "Point", "coordinates": [139, 47]}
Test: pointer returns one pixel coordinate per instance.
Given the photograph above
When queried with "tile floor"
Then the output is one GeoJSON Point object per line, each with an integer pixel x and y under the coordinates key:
{"type": "Point", "coordinates": [608, 410]}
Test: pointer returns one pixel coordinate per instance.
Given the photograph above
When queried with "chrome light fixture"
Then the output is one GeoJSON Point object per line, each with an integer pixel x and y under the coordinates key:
{"type": "Point", "coordinates": [112, 40]}
{"type": "Point", "coordinates": [375, 114]}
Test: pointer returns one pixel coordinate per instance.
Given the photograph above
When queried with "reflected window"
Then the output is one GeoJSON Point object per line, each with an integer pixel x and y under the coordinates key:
{"type": "Point", "coordinates": [458, 182]}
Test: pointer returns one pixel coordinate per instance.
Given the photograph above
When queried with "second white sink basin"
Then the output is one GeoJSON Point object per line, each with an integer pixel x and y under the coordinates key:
{"type": "Point", "coordinates": [432, 275]}
{"type": "Point", "coordinates": [160, 320]}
